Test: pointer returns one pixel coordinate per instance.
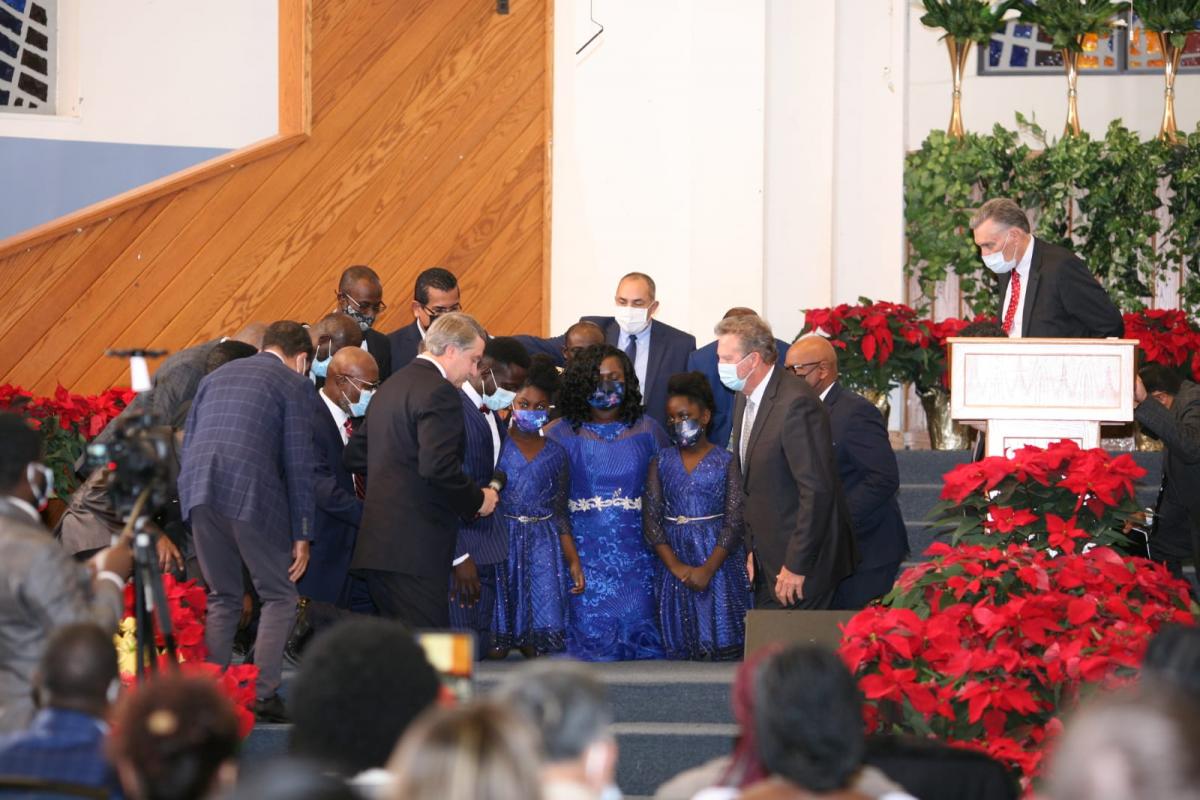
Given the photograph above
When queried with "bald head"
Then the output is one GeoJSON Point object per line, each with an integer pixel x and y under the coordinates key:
{"type": "Point", "coordinates": [581, 335]}
{"type": "Point", "coordinates": [339, 330]}
{"type": "Point", "coordinates": [351, 370]}
{"type": "Point", "coordinates": [813, 358]}
{"type": "Point", "coordinates": [252, 334]}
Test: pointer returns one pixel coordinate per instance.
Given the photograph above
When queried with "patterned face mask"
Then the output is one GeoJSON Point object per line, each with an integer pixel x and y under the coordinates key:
{"type": "Point", "coordinates": [607, 394]}
{"type": "Point", "coordinates": [686, 432]}
{"type": "Point", "coordinates": [530, 420]}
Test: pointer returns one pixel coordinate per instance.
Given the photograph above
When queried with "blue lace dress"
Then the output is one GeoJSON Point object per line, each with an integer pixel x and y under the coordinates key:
{"type": "Point", "coordinates": [615, 618]}
{"type": "Point", "coordinates": [694, 513]}
{"type": "Point", "coordinates": [532, 608]}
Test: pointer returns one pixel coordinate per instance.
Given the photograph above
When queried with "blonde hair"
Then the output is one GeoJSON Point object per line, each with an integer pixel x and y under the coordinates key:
{"type": "Point", "coordinates": [754, 334]}
{"type": "Point", "coordinates": [453, 330]}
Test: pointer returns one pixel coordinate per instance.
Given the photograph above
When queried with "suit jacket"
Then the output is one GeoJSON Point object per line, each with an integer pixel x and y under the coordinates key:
{"type": "Point", "coordinates": [405, 343]}
{"type": "Point", "coordinates": [339, 512]}
{"type": "Point", "coordinates": [413, 447]}
{"type": "Point", "coordinates": [379, 347]}
{"type": "Point", "coordinates": [62, 746]}
{"type": "Point", "coordinates": [869, 475]}
{"type": "Point", "coordinates": [485, 538]}
{"type": "Point", "coordinates": [705, 360]}
{"type": "Point", "coordinates": [248, 447]}
{"type": "Point", "coordinates": [796, 514]}
{"type": "Point", "coordinates": [669, 351]}
{"type": "Point", "coordinates": [1179, 429]}
{"type": "Point", "coordinates": [1063, 300]}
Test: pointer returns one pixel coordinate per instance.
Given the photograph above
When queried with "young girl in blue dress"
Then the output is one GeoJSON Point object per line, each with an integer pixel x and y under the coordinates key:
{"type": "Point", "coordinates": [692, 514]}
{"type": "Point", "coordinates": [543, 566]}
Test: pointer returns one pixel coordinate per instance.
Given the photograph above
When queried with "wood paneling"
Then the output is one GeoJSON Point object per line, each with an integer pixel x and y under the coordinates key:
{"type": "Point", "coordinates": [428, 145]}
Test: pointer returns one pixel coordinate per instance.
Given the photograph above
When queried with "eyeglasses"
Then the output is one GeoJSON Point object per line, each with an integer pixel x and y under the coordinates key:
{"type": "Point", "coordinates": [801, 369]}
{"type": "Point", "coordinates": [361, 385]}
{"type": "Point", "coordinates": [438, 311]}
{"type": "Point", "coordinates": [378, 308]}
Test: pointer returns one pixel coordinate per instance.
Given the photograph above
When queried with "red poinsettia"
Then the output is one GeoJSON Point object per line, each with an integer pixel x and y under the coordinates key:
{"type": "Point", "coordinates": [1165, 336]}
{"type": "Point", "coordinates": [877, 341]}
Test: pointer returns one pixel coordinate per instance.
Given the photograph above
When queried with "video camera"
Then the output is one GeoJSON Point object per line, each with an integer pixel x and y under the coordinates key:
{"type": "Point", "coordinates": [140, 457]}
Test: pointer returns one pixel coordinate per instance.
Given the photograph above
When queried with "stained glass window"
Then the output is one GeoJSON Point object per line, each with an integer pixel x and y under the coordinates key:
{"type": "Point", "coordinates": [1024, 49]}
{"type": "Point", "coordinates": [1145, 50]}
{"type": "Point", "coordinates": [27, 57]}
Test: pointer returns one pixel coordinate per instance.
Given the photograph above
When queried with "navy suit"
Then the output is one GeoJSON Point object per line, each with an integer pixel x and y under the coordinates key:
{"type": "Point", "coordinates": [404, 343]}
{"type": "Point", "coordinates": [339, 512]}
{"type": "Point", "coordinates": [381, 350]}
{"type": "Point", "coordinates": [870, 479]}
{"type": "Point", "coordinates": [705, 360]}
{"type": "Point", "coordinates": [669, 352]}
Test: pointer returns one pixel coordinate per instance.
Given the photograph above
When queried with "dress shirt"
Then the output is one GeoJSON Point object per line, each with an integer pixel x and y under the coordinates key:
{"type": "Point", "coordinates": [827, 388]}
{"type": "Point", "coordinates": [339, 416]}
{"type": "Point", "coordinates": [434, 361]}
{"type": "Point", "coordinates": [642, 362]}
{"type": "Point", "coordinates": [477, 399]}
{"type": "Point", "coordinates": [1021, 269]}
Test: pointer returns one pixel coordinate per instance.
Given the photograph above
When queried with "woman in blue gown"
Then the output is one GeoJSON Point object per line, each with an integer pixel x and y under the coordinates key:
{"type": "Point", "coordinates": [610, 444]}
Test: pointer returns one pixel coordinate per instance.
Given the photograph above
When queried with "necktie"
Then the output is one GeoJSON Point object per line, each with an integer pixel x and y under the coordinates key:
{"type": "Point", "coordinates": [631, 350]}
{"type": "Point", "coordinates": [483, 409]}
{"type": "Point", "coordinates": [1014, 300]}
{"type": "Point", "coordinates": [747, 427]}
{"type": "Point", "coordinates": [360, 486]}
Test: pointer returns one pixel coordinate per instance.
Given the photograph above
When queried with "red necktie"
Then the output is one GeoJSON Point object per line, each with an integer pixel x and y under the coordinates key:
{"type": "Point", "coordinates": [360, 486]}
{"type": "Point", "coordinates": [1011, 313]}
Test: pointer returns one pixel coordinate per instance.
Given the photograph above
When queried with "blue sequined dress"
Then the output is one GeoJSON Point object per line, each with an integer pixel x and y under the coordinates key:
{"type": "Point", "coordinates": [694, 513]}
{"type": "Point", "coordinates": [615, 618]}
{"type": "Point", "coordinates": [532, 608]}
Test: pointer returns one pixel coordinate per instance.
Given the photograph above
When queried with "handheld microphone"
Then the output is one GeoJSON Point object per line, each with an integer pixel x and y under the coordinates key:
{"type": "Point", "coordinates": [499, 481]}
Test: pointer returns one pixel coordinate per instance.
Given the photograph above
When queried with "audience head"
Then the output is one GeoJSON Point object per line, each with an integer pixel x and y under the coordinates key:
{"type": "Point", "coordinates": [22, 475]}
{"type": "Point", "coordinates": [292, 779]}
{"type": "Point", "coordinates": [746, 351]}
{"type": "Point", "coordinates": [690, 407]}
{"type": "Point", "coordinates": [579, 336]}
{"type": "Point", "coordinates": [78, 671]}
{"type": "Point", "coordinates": [746, 767]}
{"type": "Point", "coordinates": [226, 351]}
{"type": "Point", "coordinates": [983, 329]}
{"type": "Point", "coordinates": [435, 294]}
{"type": "Point", "coordinates": [1139, 744]}
{"type": "Point", "coordinates": [329, 335]}
{"type": "Point", "coordinates": [360, 686]}
{"type": "Point", "coordinates": [810, 719]}
{"type": "Point", "coordinates": [360, 295]}
{"type": "Point", "coordinates": [1001, 230]}
{"type": "Point", "coordinates": [501, 371]}
{"type": "Point", "coordinates": [813, 359]}
{"type": "Point", "coordinates": [569, 708]}
{"type": "Point", "coordinates": [291, 342]}
{"type": "Point", "coordinates": [480, 751]}
{"type": "Point", "coordinates": [600, 384]}
{"type": "Point", "coordinates": [455, 341]}
{"type": "Point", "coordinates": [635, 303]}
{"type": "Point", "coordinates": [1161, 382]}
{"type": "Point", "coordinates": [251, 334]}
{"type": "Point", "coordinates": [531, 406]}
{"type": "Point", "coordinates": [1173, 659]}
{"type": "Point", "coordinates": [351, 380]}
{"type": "Point", "coordinates": [174, 738]}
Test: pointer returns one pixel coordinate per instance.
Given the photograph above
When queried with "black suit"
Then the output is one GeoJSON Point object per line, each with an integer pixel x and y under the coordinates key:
{"type": "Point", "coordinates": [1177, 524]}
{"type": "Point", "coordinates": [1063, 300]}
{"type": "Point", "coordinates": [379, 347]}
{"type": "Point", "coordinates": [405, 344]}
{"type": "Point", "coordinates": [796, 514]}
{"type": "Point", "coordinates": [416, 493]}
{"type": "Point", "coordinates": [870, 479]}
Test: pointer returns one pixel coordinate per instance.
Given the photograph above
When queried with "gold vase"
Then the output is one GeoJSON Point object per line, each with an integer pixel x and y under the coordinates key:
{"type": "Point", "coordinates": [944, 433]}
{"type": "Point", "coordinates": [959, 53]}
{"type": "Point", "coordinates": [1171, 56]}
{"type": "Point", "coordinates": [1071, 64]}
{"type": "Point", "coordinates": [879, 400]}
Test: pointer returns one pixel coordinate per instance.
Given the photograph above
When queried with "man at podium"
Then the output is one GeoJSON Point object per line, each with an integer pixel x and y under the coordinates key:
{"type": "Point", "coordinates": [1045, 290]}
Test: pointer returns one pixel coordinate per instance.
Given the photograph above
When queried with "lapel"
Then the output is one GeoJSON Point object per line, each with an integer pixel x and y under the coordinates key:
{"type": "Point", "coordinates": [835, 391]}
{"type": "Point", "coordinates": [760, 419]}
{"type": "Point", "coordinates": [1035, 279]}
{"type": "Point", "coordinates": [657, 351]}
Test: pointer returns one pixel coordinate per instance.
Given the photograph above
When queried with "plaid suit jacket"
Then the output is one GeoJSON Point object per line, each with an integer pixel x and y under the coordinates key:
{"type": "Point", "coordinates": [60, 745]}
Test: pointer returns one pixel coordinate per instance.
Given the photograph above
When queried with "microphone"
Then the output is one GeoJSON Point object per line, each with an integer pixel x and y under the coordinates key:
{"type": "Point", "coordinates": [498, 481]}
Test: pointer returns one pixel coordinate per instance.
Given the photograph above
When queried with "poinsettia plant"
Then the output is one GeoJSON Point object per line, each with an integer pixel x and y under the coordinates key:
{"type": "Point", "coordinates": [1167, 337]}
{"type": "Point", "coordinates": [931, 357]}
{"type": "Point", "coordinates": [876, 341]}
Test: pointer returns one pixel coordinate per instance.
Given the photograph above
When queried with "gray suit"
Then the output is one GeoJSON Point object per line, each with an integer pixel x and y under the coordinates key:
{"type": "Point", "coordinates": [796, 514]}
{"type": "Point", "coordinates": [41, 588]}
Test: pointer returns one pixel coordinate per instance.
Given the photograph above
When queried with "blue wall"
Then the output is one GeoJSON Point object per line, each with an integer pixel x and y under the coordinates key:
{"type": "Point", "coordinates": [43, 179]}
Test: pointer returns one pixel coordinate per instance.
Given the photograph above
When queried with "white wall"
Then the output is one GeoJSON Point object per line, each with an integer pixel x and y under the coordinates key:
{"type": "Point", "coordinates": [162, 72]}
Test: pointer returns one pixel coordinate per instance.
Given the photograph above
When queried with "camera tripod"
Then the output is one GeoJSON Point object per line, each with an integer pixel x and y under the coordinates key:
{"type": "Point", "coordinates": [149, 596]}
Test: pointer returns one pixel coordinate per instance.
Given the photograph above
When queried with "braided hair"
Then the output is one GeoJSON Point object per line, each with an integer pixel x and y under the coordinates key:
{"type": "Point", "coordinates": [581, 378]}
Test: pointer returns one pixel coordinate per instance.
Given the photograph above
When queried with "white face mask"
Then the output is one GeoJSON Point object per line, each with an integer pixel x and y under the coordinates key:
{"type": "Point", "coordinates": [996, 262]}
{"type": "Point", "coordinates": [632, 320]}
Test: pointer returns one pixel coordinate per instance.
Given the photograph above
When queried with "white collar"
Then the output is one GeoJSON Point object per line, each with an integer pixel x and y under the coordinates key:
{"type": "Point", "coordinates": [420, 330]}
{"type": "Point", "coordinates": [26, 507]}
{"type": "Point", "coordinates": [470, 392]}
{"type": "Point", "coordinates": [757, 395]}
{"type": "Point", "coordinates": [339, 416]}
{"type": "Point", "coordinates": [827, 388]}
{"type": "Point", "coordinates": [434, 361]}
{"type": "Point", "coordinates": [1026, 262]}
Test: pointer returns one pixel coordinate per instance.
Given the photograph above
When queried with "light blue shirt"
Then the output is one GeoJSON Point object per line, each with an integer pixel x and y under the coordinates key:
{"type": "Point", "coordinates": [643, 354]}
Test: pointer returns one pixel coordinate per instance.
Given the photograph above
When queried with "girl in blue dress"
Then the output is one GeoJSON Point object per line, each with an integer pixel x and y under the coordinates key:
{"type": "Point", "coordinates": [610, 443]}
{"type": "Point", "coordinates": [692, 512]}
{"type": "Point", "coordinates": [543, 567]}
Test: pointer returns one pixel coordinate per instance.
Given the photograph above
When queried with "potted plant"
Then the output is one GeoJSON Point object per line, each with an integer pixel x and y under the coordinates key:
{"type": "Point", "coordinates": [1171, 21]}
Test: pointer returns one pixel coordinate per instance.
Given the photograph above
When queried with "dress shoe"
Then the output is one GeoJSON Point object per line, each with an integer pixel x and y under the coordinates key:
{"type": "Point", "coordinates": [271, 710]}
{"type": "Point", "coordinates": [300, 634]}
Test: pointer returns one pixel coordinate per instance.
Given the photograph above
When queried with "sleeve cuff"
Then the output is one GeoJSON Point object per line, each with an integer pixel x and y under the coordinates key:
{"type": "Point", "coordinates": [108, 575]}
{"type": "Point", "coordinates": [460, 559]}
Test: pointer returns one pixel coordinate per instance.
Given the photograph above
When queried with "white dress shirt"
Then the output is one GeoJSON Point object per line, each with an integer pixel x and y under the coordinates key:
{"type": "Point", "coordinates": [642, 362]}
{"type": "Point", "coordinates": [339, 416]}
{"type": "Point", "coordinates": [1021, 269]}
{"type": "Point", "coordinates": [477, 399]}
{"type": "Point", "coordinates": [434, 361]}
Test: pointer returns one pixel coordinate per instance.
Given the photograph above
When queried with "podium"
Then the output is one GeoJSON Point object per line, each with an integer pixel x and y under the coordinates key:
{"type": "Point", "coordinates": [1037, 391]}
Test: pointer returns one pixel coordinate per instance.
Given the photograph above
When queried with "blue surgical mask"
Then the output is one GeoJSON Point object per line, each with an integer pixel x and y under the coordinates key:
{"type": "Point", "coordinates": [320, 366]}
{"type": "Point", "coordinates": [686, 432]}
{"type": "Point", "coordinates": [500, 399]}
{"type": "Point", "coordinates": [996, 261]}
{"type": "Point", "coordinates": [729, 375]}
{"type": "Point", "coordinates": [359, 408]}
{"type": "Point", "coordinates": [607, 394]}
{"type": "Point", "coordinates": [530, 420]}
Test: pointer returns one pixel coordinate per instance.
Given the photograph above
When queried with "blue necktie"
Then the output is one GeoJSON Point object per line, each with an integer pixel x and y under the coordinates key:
{"type": "Point", "coordinates": [631, 351]}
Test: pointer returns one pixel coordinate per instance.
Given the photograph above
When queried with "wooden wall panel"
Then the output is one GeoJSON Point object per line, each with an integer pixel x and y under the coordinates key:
{"type": "Point", "coordinates": [428, 146]}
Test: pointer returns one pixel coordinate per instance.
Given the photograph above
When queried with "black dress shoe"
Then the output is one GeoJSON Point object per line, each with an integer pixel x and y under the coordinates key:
{"type": "Point", "coordinates": [271, 710]}
{"type": "Point", "coordinates": [300, 634]}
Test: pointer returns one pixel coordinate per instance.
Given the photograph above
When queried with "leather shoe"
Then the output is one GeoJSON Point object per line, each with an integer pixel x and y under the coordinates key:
{"type": "Point", "coordinates": [271, 709]}
{"type": "Point", "coordinates": [300, 633]}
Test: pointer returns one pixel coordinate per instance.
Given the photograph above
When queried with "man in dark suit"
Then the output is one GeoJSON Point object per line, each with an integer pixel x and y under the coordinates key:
{"type": "Point", "coordinates": [1169, 408]}
{"type": "Point", "coordinates": [1045, 290]}
{"type": "Point", "coordinates": [797, 520]}
{"type": "Point", "coordinates": [657, 350]}
{"type": "Point", "coordinates": [246, 487]}
{"type": "Point", "coordinates": [481, 550]}
{"type": "Point", "coordinates": [867, 469]}
{"type": "Point", "coordinates": [411, 447]}
{"type": "Point", "coordinates": [704, 361]}
{"type": "Point", "coordinates": [360, 296]}
{"type": "Point", "coordinates": [436, 293]}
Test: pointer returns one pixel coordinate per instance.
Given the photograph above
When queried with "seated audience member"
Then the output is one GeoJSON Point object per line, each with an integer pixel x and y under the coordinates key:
{"type": "Point", "coordinates": [480, 751]}
{"type": "Point", "coordinates": [175, 737]}
{"type": "Point", "coordinates": [74, 683]}
{"type": "Point", "coordinates": [292, 779]}
{"type": "Point", "coordinates": [1173, 659]}
{"type": "Point", "coordinates": [1139, 745]}
{"type": "Point", "coordinates": [868, 471]}
{"type": "Point", "coordinates": [360, 296]}
{"type": "Point", "coordinates": [329, 335]}
{"type": "Point", "coordinates": [362, 683]}
{"type": "Point", "coordinates": [570, 709]}
{"type": "Point", "coordinates": [436, 293]}
{"type": "Point", "coordinates": [41, 586]}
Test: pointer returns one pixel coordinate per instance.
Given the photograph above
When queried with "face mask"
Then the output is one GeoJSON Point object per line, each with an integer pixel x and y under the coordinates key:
{"type": "Point", "coordinates": [729, 375]}
{"type": "Point", "coordinates": [41, 498]}
{"type": "Point", "coordinates": [502, 398]}
{"type": "Point", "coordinates": [529, 420]}
{"type": "Point", "coordinates": [632, 320]}
{"type": "Point", "coordinates": [995, 261]}
{"type": "Point", "coordinates": [365, 321]}
{"type": "Point", "coordinates": [320, 366]}
{"type": "Point", "coordinates": [686, 432]}
{"type": "Point", "coordinates": [359, 409]}
{"type": "Point", "coordinates": [607, 394]}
